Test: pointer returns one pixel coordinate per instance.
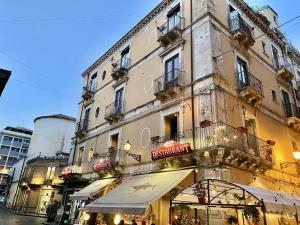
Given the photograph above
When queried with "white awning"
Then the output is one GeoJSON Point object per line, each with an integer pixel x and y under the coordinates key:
{"type": "Point", "coordinates": [274, 201]}
{"type": "Point", "coordinates": [94, 187]}
{"type": "Point", "coordinates": [135, 193]}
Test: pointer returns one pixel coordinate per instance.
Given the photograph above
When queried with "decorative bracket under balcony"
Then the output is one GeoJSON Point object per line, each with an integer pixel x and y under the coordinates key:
{"type": "Point", "coordinates": [120, 68]}
{"type": "Point", "coordinates": [294, 122]}
{"type": "Point", "coordinates": [251, 96]}
{"type": "Point", "coordinates": [285, 74]}
{"type": "Point", "coordinates": [114, 111]}
{"type": "Point", "coordinates": [87, 93]}
{"type": "Point", "coordinates": [170, 31]}
{"type": "Point", "coordinates": [241, 32]}
{"type": "Point", "coordinates": [168, 85]}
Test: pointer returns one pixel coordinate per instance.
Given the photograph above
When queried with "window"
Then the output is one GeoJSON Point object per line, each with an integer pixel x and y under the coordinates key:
{"type": "Point", "coordinates": [171, 71]}
{"type": "Point", "coordinates": [97, 112]}
{"type": "Point", "coordinates": [91, 155]}
{"type": "Point", "coordinates": [93, 82]}
{"type": "Point", "coordinates": [103, 74]}
{"type": "Point", "coordinates": [296, 94]}
{"type": "Point", "coordinates": [242, 73]}
{"type": "Point", "coordinates": [119, 98]}
{"type": "Point", "coordinates": [264, 47]}
{"type": "Point", "coordinates": [86, 118]}
{"type": "Point", "coordinates": [17, 142]}
{"type": "Point", "coordinates": [174, 17]}
{"type": "Point", "coordinates": [7, 140]}
{"type": "Point", "coordinates": [287, 104]}
{"type": "Point", "coordinates": [295, 148]}
{"type": "Point", "coordinates": [274, 97]}
{"type": "Point", "coordinates": [275, 57]}
{"type": "Point", "coordinates": [125, 58]}
{"type": "Point", "coordinates": [80, 155]}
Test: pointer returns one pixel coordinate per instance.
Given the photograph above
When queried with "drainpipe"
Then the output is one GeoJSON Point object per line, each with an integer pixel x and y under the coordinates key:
{"type": "Point", "coordinates": [192, 71]}
{"type": "Point", "coordinates": [76, 139]}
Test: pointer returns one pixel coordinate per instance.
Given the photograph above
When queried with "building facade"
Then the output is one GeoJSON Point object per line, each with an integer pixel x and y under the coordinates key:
{"type": "Point", "coordinates": [4, 77]}
{"type": "Point", "coordinates": [14, 143]}
{"type": "Point", "coordinates": [35, 181]}
{"type": "Point", "coordinates": [201, 85]}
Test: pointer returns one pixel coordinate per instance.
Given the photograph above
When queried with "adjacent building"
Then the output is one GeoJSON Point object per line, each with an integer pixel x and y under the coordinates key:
{"type": "Point", "coordinates": [4, 77]}
{"type": "Point", "coordinates": [196, 106]}
{"type": "Point", "coordinates": [14, 143]}
{"type": "Point", "coordinates": [36, 181]}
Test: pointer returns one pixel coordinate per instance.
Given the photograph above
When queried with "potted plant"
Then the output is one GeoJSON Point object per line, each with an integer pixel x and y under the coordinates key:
{"type": "Point", "coordinates": [200, 192]}
{"type": "Point", "coordinates": [243, 130]}
{"type": "Point", "coordinates": [205, 123]}
{"type": "Point", "coordinates": [251, 214]}
{"type": "Point", "coordinates": [232, 220]}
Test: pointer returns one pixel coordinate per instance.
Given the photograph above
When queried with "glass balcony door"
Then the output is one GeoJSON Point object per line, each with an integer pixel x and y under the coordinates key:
{"type": "Point", "coordinates": [242, 73]}
{"type": "Point", "coordinates": [171, 70]}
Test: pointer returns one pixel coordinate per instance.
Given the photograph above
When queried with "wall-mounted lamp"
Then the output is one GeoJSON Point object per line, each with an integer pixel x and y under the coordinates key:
{"type": "Point", "coordinates": [296, 155]}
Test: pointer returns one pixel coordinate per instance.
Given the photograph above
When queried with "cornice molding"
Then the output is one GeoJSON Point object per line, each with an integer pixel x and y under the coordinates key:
{"type": "Point", "coordinates": [145, 21]}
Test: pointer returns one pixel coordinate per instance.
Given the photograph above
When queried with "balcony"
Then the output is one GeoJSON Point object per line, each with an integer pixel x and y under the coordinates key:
{"type": "Point", "coordinates": [220, 143]}
{"type": "Point", "coordinates": [120, 68]}
{"type": "Point", "coordinates": [292, 114]}
{"type": "Point", "coordinates": [114, 111]}
{"type": "Point", "coordinates": [284, 69]}
{"type": "Point", "coordinates": [87, 93]}
{"type": "Point", "coordinates": [170, 31]}
{"type": "Point", "coordinates": [250, 88]}
{"type": "Point", "coordinates": [169, 84]}
{"type": "Point", "coordinates": [241, 31]}
{"type": "Point", "coordinates": [81, 128]}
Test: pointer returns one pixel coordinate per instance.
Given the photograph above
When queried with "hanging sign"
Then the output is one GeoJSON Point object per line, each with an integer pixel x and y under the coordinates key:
{"type": "Point", "coordinates": [66, 171]}
{"type": "Point", "coordinates": [171, 149]}
{"type": "Point", "coordinates": [102, 164]}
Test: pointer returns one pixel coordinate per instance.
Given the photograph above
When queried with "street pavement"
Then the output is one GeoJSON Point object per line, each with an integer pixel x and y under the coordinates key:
{"type": "Point", "coordinates": [7, 218]}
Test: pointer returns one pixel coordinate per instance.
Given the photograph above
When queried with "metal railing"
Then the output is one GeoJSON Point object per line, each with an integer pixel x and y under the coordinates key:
{"type": "Point", "coordinates": [291, 110]}
{"type": "Point", "coordinates": [246, 79]}
{"type": "Point", "coordinates": [82, 125]}
{"type": "Point", "coordinates": [88, 90]}
{"type": "Point", "coordinates": [221, 135]}
{"type": "Point", "coordinates": [169, 80]}
{"type": "Point", "coordinates": [121, 64]}
{"type": "Point", "coordinates": [282, 62]}
{"type": "Point", "coordinates": [115, 108]}
{"type": "Point", "coordinates": [174, 22]}
{"type": "Point", "coordinates": [238, 24]}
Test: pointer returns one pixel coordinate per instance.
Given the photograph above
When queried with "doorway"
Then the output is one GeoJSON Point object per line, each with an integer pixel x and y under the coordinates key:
{"type": "Point", "coordinates": [171, 127]}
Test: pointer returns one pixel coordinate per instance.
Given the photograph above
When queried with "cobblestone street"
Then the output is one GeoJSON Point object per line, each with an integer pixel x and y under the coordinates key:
{"type": "Point", "coordinates": [7, 218]}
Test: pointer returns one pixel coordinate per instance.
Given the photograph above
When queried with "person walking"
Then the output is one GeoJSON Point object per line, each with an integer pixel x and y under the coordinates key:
{"type": "Point", "coordinates": [133, 222]}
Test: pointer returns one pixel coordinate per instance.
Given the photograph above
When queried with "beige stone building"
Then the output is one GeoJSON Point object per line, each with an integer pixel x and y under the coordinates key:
{"type": "Point", "coordinates": [217, 78]}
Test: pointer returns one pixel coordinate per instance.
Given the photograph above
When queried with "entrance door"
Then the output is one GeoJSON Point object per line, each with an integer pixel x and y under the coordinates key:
{"type": "Point", "coordinates": [287, 104]}
{"type": "Point", "coordinates": [242, 73]}
{"type": "Point", "coordinates": [171, 127]}
{"type": "Point", "coordinates": [171, 71]}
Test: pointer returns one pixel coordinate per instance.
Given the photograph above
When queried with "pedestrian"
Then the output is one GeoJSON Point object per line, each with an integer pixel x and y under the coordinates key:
{"type": "Point", "coordinates": [133, 222]}
{"type": "Point", "coordinates": [143, 222]}
{"type": "Point", "coordinates": [152, 223]}
{"type": "Point", "coordinates": [121, 222]}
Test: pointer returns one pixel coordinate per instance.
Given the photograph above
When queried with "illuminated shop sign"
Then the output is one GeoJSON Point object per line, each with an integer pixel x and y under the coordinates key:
{"type": "Point", "coordinates": [102, 164]}
{"type": "Point", "coordinates": [171, 149]}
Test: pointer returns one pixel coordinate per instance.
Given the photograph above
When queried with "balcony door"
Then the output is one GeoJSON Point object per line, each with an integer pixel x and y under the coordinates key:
{"type": "Point", "coordinates": [252, 144]}
{"type": "Point", "coordinates": [174, 17]}
{"type": "Point", "coordinates": [287, 104]}
{"type": "Point", "coordinates": [119, 98]}
{"type": "Point", "coordinates": [93, 83]}
{"type": "Point", "coordinates": [86, 118]}
{"type": "Point", "coordinates": [125, 58]}
{"type": "Point", "coordinates": [242, 73]}
{"type": "Point", "coordinates": [275, 57]}
{"type": "Point", "coordinates": [171, 71]}
{"type": "Point", "coordinates": [171, 127]}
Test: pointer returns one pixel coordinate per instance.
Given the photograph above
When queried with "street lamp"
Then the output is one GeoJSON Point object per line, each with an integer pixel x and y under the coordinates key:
{"type": "Point", "coordinates": [127, 148]}
{"type": "Point", "coordinates": [296, 155]}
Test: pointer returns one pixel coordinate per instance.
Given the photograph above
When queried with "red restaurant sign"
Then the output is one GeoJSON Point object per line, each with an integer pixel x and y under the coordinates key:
{"type": "Point", "coordinates": [171, 149]}
{"type": "Point", "coordinates": [102, 164]}
{"type": "Point", "coordinates": [66, 171]}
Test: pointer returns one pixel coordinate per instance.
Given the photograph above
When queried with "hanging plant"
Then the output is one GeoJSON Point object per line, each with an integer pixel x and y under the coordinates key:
{"type": "Point", "coordinates": [251, 213]}
{"type": "Point", "coordinates": [232, 220]}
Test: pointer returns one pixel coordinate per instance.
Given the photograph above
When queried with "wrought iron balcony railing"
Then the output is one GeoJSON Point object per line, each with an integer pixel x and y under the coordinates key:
{"type": "Point", "coordinates": [291, 110]}
{"type": "Point", "coordinates": [82, 127]}
{"type": "Point", "coordinates": [170, 80]}
{"type": "Point", "coordinates": [174, 22]}
{"type": "Point", "coordinates": [120, 68]}
{"type": "Point", "coordinates": [246, 79]}
{"type": "Point", "coordinates": [238, 24]}
{"type": "Point", "coordinates": [282, 62]}
{"type": "Point", "coordinates": [221, 135]}
{"type": "Point", "coordinates": [88, 92]}
{"type": "Point", "coordinates": [115, 110]}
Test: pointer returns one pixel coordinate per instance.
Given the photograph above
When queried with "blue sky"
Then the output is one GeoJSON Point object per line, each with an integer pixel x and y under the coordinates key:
{"type": "Point", "coordinates": [48, 44]}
